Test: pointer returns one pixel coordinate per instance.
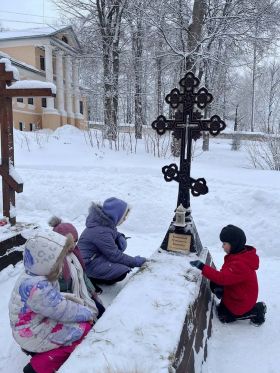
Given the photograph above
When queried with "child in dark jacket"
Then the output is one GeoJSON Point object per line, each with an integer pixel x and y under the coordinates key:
{"type": "Point", "coordinates": [236, 283]}
{"type": "Point", "coordinates": [102, 246]}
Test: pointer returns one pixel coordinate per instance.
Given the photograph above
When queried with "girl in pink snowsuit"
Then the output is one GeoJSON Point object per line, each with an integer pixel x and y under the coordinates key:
{"type": "Point", "coordinates": [46, 323]}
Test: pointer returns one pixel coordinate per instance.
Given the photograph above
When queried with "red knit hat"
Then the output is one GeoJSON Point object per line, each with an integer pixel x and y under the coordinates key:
{"type": "Point", "coordinates": [63, 228]}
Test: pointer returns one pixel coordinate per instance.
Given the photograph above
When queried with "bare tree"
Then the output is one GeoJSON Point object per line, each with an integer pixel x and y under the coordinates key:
{"type": "Point", "coordinates": [273, 81]}
{"type": "Point", "coordinates": [109, 21]}
{"type": "Point", "coordinates": [136, 23]}
{"type": "Point", "coordinates": [103, 17]}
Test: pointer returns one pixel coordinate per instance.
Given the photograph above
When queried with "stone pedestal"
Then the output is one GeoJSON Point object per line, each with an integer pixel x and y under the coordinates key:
{"type": "Point", "coordinates": [192, 348]}
{"type": "Point", "coordinates": [159, 322]}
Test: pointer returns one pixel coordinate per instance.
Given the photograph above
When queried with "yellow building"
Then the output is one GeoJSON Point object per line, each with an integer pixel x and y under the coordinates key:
{"type": "Point", "coordinates": [50, 55]}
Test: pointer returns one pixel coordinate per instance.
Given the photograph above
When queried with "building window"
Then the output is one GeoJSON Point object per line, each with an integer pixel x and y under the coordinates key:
{"type": "Point", "coordinates": [20, 99]}
{"type": "Point", "coordinates": [30, 101]}
{"type": "Point", "coordinates": [81, 107]}
{"type": "Point", "coordinates": [64, 38]}
{"type": "Point", "coordinates": [44, 102]}
{"type": "Point", "coordinates": [42, 63]}
{"type": "Point", "coordinates": [21, 126]}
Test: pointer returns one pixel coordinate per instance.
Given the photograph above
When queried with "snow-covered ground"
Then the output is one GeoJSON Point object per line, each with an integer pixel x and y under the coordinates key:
{"type": "Point", "coordinates": [62, 175]}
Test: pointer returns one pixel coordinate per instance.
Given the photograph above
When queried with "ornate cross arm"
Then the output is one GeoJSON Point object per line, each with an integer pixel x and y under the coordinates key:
{"type": "Point", "coordinates": [214, 125]}
{"type": "Point", "coordinates": [187, 96]}
{"type": "Point", "coordinates": [161, 125]}
{"type": "Point", "coordinates": [197, 186]}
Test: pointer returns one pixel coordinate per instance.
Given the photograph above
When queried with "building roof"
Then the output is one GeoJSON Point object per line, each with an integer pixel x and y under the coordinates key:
{"type": "Point", "coordinates": [37, 33]}
{"type": "Point", "coordinates": [27, 33]}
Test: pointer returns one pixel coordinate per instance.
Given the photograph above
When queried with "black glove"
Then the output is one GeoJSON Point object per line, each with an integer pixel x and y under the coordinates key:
{"type": "Point", "coordinates": [197, 263]}
{"type": "Point", "coordinates": [219, 291]}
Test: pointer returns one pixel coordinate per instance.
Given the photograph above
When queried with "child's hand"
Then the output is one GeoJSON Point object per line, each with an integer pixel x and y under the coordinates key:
{"type": "Point", "coordinates": [197, 263]}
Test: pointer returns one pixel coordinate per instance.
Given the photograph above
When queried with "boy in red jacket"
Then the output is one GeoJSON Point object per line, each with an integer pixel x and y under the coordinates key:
{"type": "Point", "coordinates": [236, 283]}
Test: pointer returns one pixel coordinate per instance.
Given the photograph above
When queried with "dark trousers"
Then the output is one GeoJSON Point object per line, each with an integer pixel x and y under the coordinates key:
{"type": "Point", "coordinates": [100, 307]}
{"type": "Point", "coordinates": [256, 314]}
{"type": "Point", "coordinates": [108, 282]}
{"type": "Point", "coordinates": [218, 290]}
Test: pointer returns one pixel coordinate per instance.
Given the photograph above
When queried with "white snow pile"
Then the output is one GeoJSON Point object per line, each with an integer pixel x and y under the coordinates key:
{"type": "Point", "coordinates": [32, 84]}
{"type": "Point", "coordinates": [13, 173]}
{"type": "Point", "coordinates": [67, 130]}
{"type": "Point", "coordinates": [9, 67]}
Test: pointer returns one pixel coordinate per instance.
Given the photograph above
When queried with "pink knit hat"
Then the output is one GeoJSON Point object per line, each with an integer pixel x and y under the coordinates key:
{"type": "Point", "coordinates": [63, 228]}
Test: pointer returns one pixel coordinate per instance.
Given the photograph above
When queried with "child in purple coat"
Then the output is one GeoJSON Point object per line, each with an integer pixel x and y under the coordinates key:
{"type": "Point", "coordinates": [102, 246]}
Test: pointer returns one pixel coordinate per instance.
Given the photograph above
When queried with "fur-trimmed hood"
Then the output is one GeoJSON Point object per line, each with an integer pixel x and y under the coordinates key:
{"type": "Point", "coordinates": [97, 217]}
{"type": "Point", "coordinates": [113, 211]}
{"type": "Point", "coordinates": [44, 253]}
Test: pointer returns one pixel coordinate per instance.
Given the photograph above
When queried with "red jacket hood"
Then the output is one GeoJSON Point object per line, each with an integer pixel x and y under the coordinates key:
{"type": "Point", "coordinates": [248, 256]}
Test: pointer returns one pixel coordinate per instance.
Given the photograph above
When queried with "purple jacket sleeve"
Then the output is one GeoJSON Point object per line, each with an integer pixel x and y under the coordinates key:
{"type": "Point", "coordinates": [121, 242]}
{"type": "Point", "coordinates": [107, 246]}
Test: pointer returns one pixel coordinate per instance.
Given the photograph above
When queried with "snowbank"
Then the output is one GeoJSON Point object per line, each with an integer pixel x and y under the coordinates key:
{"type": "Point", "coordinates": [32, 84]}
{"type": "Point", "coordinates": [67, 130]}
{"type": "Point", "coordinates": [9, 67]}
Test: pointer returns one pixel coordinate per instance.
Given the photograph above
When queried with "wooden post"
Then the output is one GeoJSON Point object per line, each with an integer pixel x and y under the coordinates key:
{"type": "Point", "coordinates": [9, 184]}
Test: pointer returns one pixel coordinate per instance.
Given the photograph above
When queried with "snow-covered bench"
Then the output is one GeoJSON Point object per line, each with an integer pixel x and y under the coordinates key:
{"type": "Point", "coordinates": [159, 322]}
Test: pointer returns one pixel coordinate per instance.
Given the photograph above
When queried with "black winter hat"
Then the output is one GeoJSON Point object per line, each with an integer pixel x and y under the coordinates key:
{"type": "Point", "coordinates": [234, 236]}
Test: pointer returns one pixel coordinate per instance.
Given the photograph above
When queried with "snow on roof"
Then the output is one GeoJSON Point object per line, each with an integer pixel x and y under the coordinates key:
{"type": "Point", "coordinates": [9, 67]}
{"type": "Point", "coordinates": [39, 32]}
{"type": "Point", "coordinates": [29, 84]}
{"type": "Point", "coordinates": [32, 32]}
{"type": "Point", "coordinates": [42, 31]}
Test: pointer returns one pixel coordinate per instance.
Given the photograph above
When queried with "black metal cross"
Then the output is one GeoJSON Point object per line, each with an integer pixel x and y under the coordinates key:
{"type": "Point", "coordinates": [187, 126]}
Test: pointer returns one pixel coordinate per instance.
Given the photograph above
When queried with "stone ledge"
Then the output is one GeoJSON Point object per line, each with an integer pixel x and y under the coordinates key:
{"type": "Point", "coordinates": [159, 322]}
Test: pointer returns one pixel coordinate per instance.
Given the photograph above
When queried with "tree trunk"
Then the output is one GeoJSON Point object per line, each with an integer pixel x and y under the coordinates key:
{"type": "Point", "coordinates": [108, 117]}
{"type": "Point", "coordinates": [159, 84]}
{"type": "Point", "coordinates": [253, 89]}
{"type": "Point", "coordinates": [137, 44]}
{"type": "Point", "coordinates": [194, 31]}
{"type": "Point", "coordinates": [109, 19]}
{"type": "Point", "coordinates": [236, 139]}
{"type": "Point", "coordinates": [128, 101]}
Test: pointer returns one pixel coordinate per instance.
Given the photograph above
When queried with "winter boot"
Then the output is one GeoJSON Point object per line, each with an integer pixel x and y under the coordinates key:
{"type": "Point", "coordinates": [259, 312]}
{"type": "Point", "coordinates": [28, 369]}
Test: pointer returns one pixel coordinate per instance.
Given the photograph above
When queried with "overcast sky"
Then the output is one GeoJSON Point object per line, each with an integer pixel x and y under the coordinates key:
{"type": "Point", "coordinates": [33, 13]}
